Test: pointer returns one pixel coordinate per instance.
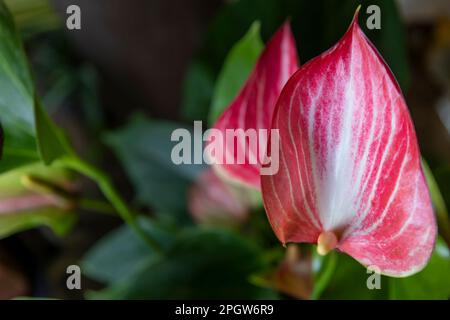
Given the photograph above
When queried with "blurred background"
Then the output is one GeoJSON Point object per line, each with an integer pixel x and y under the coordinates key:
{"type": "Point", "coordinates": [160, 59]}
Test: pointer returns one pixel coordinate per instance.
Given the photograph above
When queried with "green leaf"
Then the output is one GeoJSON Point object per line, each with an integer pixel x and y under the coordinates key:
{"type": "Point", "coordinates": [28, 132]}
{"type": "Point", "coordinates": [234, 20]}
{"type": "Point", "coordinates": [348, 281]}
{"type": "Point", "coordinates": [433, 282]}
{"type": "Point", "coordinates": [34, 17]}
{"type": "Point", "coordinates": [197, 92]}
{"type": "Point", "coordinates": [144, 147]}
{"type": "Point", "coordinates": [442, 176]}
{"type": "Point", "coordinates": [12, 191]}
{"type": "Point", "coordinates": [51, 141]}
{"type": "Point", "coordinates": [438, 203]}
{"type": "Point", "coordinates": [121, 253]}
{"type": "Point", "coordinates": [17, 98]}
{"type": "Point", "coordinates": [236, 69]}
{"type": "Point", "coordinates": [56, 219]}
{"type": "Point", "coordinates": [208, 264]}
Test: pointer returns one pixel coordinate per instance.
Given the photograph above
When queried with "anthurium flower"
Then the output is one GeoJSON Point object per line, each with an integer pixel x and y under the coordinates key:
{"type": "Point", "coordinates": [252, 110]}
{"type": "Point", "coordinates": [211, 200]}
{"type": "Point", "coordinates": [350, 175]}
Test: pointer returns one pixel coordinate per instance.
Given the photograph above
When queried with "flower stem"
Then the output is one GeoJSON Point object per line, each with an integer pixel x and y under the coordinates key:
{"type": "Point", "coordinates": [98, 206]}
{"type": "Point", "coordinates": [324, 276]}
{"type": "Point", "coordinates": [108, 190]}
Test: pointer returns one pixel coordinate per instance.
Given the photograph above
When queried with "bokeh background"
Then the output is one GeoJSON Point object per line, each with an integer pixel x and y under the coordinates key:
{"type": "Point", "coordinates": [159, 59]}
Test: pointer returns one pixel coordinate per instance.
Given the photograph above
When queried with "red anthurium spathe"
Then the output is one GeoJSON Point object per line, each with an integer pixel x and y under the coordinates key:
{"type": "Point", "coordinates": [350, 174]}
{"type": "Point", "coordinates": [253, 109]}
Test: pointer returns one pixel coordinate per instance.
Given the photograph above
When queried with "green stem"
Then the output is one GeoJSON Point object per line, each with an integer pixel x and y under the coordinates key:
{"type": "Point", "coordinates": [324, 276]}
{"type": "Point", "coordinates": [108, 190]}
{"type": "Point", "coordinates": [96, 206]}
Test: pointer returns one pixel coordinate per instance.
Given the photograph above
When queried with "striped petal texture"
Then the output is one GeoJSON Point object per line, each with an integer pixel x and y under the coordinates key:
{"type": "Point", "coordinates": [253, 109]}
{"type": "Point", "coordinates": [350, 174]}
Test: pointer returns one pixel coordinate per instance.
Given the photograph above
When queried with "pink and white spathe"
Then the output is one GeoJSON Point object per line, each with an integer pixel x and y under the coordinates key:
{"type": "Point", "coordinates": [249, 116]}
{"type": "Point", "coordinates": [350, 174]}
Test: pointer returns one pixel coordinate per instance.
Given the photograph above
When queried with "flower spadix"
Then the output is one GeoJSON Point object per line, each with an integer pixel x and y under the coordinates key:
{"type": "Point", "coordinates": [350, 175]}
{"type": "Point", "coordinates": [249, 116]}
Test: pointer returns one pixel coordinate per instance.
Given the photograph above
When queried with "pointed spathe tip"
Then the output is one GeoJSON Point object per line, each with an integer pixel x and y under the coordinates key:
{"type": "Point", "coordinates": [287, 22]}
{"type": "Point", "coordinates": [285, 28]}
{"type": "Point", "coordinates": [354, 25]}
{"type": "Point", "coordinates": [356, 16]}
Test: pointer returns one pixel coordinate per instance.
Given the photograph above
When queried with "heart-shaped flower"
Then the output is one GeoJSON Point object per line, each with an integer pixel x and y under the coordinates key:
{"type": "Point", "coordinates": [350, 174]}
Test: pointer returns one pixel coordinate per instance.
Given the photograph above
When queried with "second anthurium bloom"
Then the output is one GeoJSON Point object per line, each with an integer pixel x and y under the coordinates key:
{"type": "Point", "coordinates": [212, 200]}
{"type": "Point", "coordinates": [249, 116]}
{"type": "Point", "coordinates": [350, 172]}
